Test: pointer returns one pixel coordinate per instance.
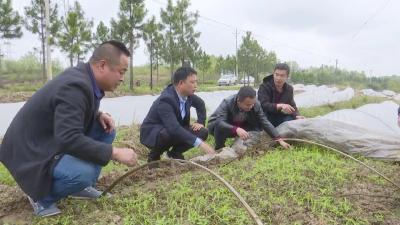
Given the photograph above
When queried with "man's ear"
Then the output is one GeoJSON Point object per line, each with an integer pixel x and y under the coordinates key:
{"type": "Point", "coordinates": [102, 63]}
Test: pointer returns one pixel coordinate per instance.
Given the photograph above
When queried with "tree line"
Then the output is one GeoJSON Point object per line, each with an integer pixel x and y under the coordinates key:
{"type": "Point", "coordinates": [170, 41]}
{"type": "Point", "coordinates": [173, 40]}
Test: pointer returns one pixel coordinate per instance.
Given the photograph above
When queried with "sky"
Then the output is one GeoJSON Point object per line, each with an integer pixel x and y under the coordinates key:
{"type": "Point", "coordinates": [360, 34]}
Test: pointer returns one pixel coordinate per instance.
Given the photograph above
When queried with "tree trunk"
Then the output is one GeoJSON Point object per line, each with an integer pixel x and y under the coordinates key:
{"type": "Point", "coordinates": [171, 65]}
{"type": "Point", "coordinates": [157, 68]}
{"type": "Point", "coordinates": [183, 57]}
{"type": "Point", "coordinates": [131, 65]}
{"type": "Point", "coordinates": [44, 71]}
{"type": "Point", "coordinates": [43, 39]}
{"type": "Point", "coordinates": [172, 68]}
{"type": "Point", "coordinates": [1, 56]}
{"type": "Point", "coordinates": [71, 60]}
{"type": "Point", "coordinates": [151, 65]}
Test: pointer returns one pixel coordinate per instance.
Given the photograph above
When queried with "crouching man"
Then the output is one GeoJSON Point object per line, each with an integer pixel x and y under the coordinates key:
{"type": "Point", "coordinates": [239, 114]}
{"type": "Point", "coordinates": [58, 142]}
{"type": "Point", "coordinates": [167, 128]}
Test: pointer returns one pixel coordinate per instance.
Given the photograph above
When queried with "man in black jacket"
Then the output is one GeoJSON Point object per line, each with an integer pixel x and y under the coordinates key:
{"type": "Point", "coordinates": [237, 115]}
{"type": "Point", "coordinates": [276, 96]}
{"type": "Point", "coordinates": [168, 122]}
{"type": "Point", "coordinates": [58, 141]}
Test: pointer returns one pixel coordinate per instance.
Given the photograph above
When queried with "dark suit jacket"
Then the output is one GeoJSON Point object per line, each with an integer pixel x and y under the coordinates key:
{"type": "Point", "coordinates": [165, 113]}
{"type": "Point", "coordinates": [53, 122]}
{"type": "Point", "coordinates": [266, 96]}
{"type": "Point", "coordinates": [255, 119]}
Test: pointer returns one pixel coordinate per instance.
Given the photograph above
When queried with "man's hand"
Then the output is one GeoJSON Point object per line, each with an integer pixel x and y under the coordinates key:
{"type": "Point", "coordinates": [285, 108]}
{"type": "Point", "coordinates": [206, 148]}
{"type": "Point", "coordinates": [125, 156]}
{"type": "Point", "coordinates": [283, 144]}
{"type": "Point", "coordinates": [244, 135]}
{"type": "Point", "coordinates": [197, 126]}
{"type": "Point", "coordinates": [107, 122]}
{"type": "Point", "coordinates": [300, 117]}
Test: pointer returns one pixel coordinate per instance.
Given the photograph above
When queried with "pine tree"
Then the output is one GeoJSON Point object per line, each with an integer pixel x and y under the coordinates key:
{"type": "Point", "coordinates": [128, 28]}
{"type": "Point", "coordinates": [75, 37]}
{"type": "Point", "coordinates": [34, 21]}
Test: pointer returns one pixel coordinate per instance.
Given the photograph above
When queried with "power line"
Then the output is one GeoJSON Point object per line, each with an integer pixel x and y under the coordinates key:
{"type": "Point", "coordinates": [383, 6]}
{"type": "Point", "coordinates": [330, 58]}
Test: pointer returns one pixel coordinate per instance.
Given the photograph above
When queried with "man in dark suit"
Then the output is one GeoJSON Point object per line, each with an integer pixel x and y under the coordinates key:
{"type": "Point", "coordinates": [276, 96]}
{"type": "Point", "coordinates": [168, 122]}
{"type": "Point", "coordinates": [239, 114]}
{"type": "Point", "coordinates": [58, 141]}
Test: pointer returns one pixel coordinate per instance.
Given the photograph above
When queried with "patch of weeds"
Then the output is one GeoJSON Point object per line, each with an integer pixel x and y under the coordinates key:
{"type": "Point", "coordinates": [5, 176]}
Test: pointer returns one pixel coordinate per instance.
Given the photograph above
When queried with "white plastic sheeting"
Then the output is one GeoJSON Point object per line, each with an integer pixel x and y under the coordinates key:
{"type": "Point", "coordinates": [384, 93]}
{"type": "Point", "coordinates": [7, 114]}
{"type": "Point", "coordinates": [380, 117]}
{"type": "Point", "coordinates": [389, 93]}
{"type": "Point", "coordinates": [321, 95]}
{"type": "Point", "coordinates": [370, 130]}
{"type": "Point", "coordinates": [133, 109]}
{"type": "Point", "coordinates": [372, 93]}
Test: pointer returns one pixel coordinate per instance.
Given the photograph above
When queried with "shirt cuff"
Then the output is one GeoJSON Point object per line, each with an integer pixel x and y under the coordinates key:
{"type": "Point", "coordinates": [197, 142]}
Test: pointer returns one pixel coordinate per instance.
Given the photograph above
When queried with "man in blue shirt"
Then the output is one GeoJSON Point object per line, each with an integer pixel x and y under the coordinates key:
{"type": "Point", "coordinates": [167, 125]}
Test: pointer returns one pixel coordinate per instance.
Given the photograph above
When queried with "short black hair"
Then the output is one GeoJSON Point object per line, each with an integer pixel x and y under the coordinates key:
{"type": "Point", "coordinates": [282, 66]}
{"type": "Point", "coordinates": [246, 92]}
{"type": "Point", "coordinates": [111, 51]}
{"type": "Point", "coordinates": [182, 73]}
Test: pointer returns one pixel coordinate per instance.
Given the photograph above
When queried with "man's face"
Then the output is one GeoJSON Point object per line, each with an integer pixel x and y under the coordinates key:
{"type": "Point", "coordinates": [246, 104]}
{"type": "Point", "coordinates": [188, 86]}
{"type": "Point", "coordinates": [113, 75]}
{"type": "Point", "coordinates": [280, 78]}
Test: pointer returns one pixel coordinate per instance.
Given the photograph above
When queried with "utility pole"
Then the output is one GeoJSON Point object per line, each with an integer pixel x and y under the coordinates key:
{"type": "Point", "coordinates": [47, 45]}
{"type": "Point", "coordinates": [1, 56]}
{"type": "Point", "coordinates": [236, 69]}
{"type": "Point", "coordinates": [336, 63]}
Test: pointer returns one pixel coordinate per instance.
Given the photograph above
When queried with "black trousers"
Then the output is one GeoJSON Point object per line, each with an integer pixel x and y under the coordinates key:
{"type": "Point", "coordinates": [221, 133]}
{"type": "Point", "coordinates": [165, 142]}
{"type": "Point", "coordinates": [277, 119]}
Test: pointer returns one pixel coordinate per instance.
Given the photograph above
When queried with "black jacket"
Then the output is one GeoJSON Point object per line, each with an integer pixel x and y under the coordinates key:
{"type": "Point", "coordinates": [53, 122]}
{"type": "Point", "coordinates": [266, 96]}
{"type": "Point", "coordinates": [255, 118]}
{"type": "Point", "coordinates": [165, 113]}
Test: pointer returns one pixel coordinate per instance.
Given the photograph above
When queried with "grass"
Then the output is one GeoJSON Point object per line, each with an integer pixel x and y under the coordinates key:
{"type": "Point", "coordinates": [353, 103]}
{"type": "Point", "coordinates": [284, 187]}
{"type": "Point", "coordinates": [5, 176]}
{"type": "Point", "coordinates": [305, 185]}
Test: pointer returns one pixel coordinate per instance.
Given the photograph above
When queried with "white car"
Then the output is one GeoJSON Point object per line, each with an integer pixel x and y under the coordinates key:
{"type": "Point", "coordinates": [247, 80]}
{"type": "Point", "coordinates": [227, 79]}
